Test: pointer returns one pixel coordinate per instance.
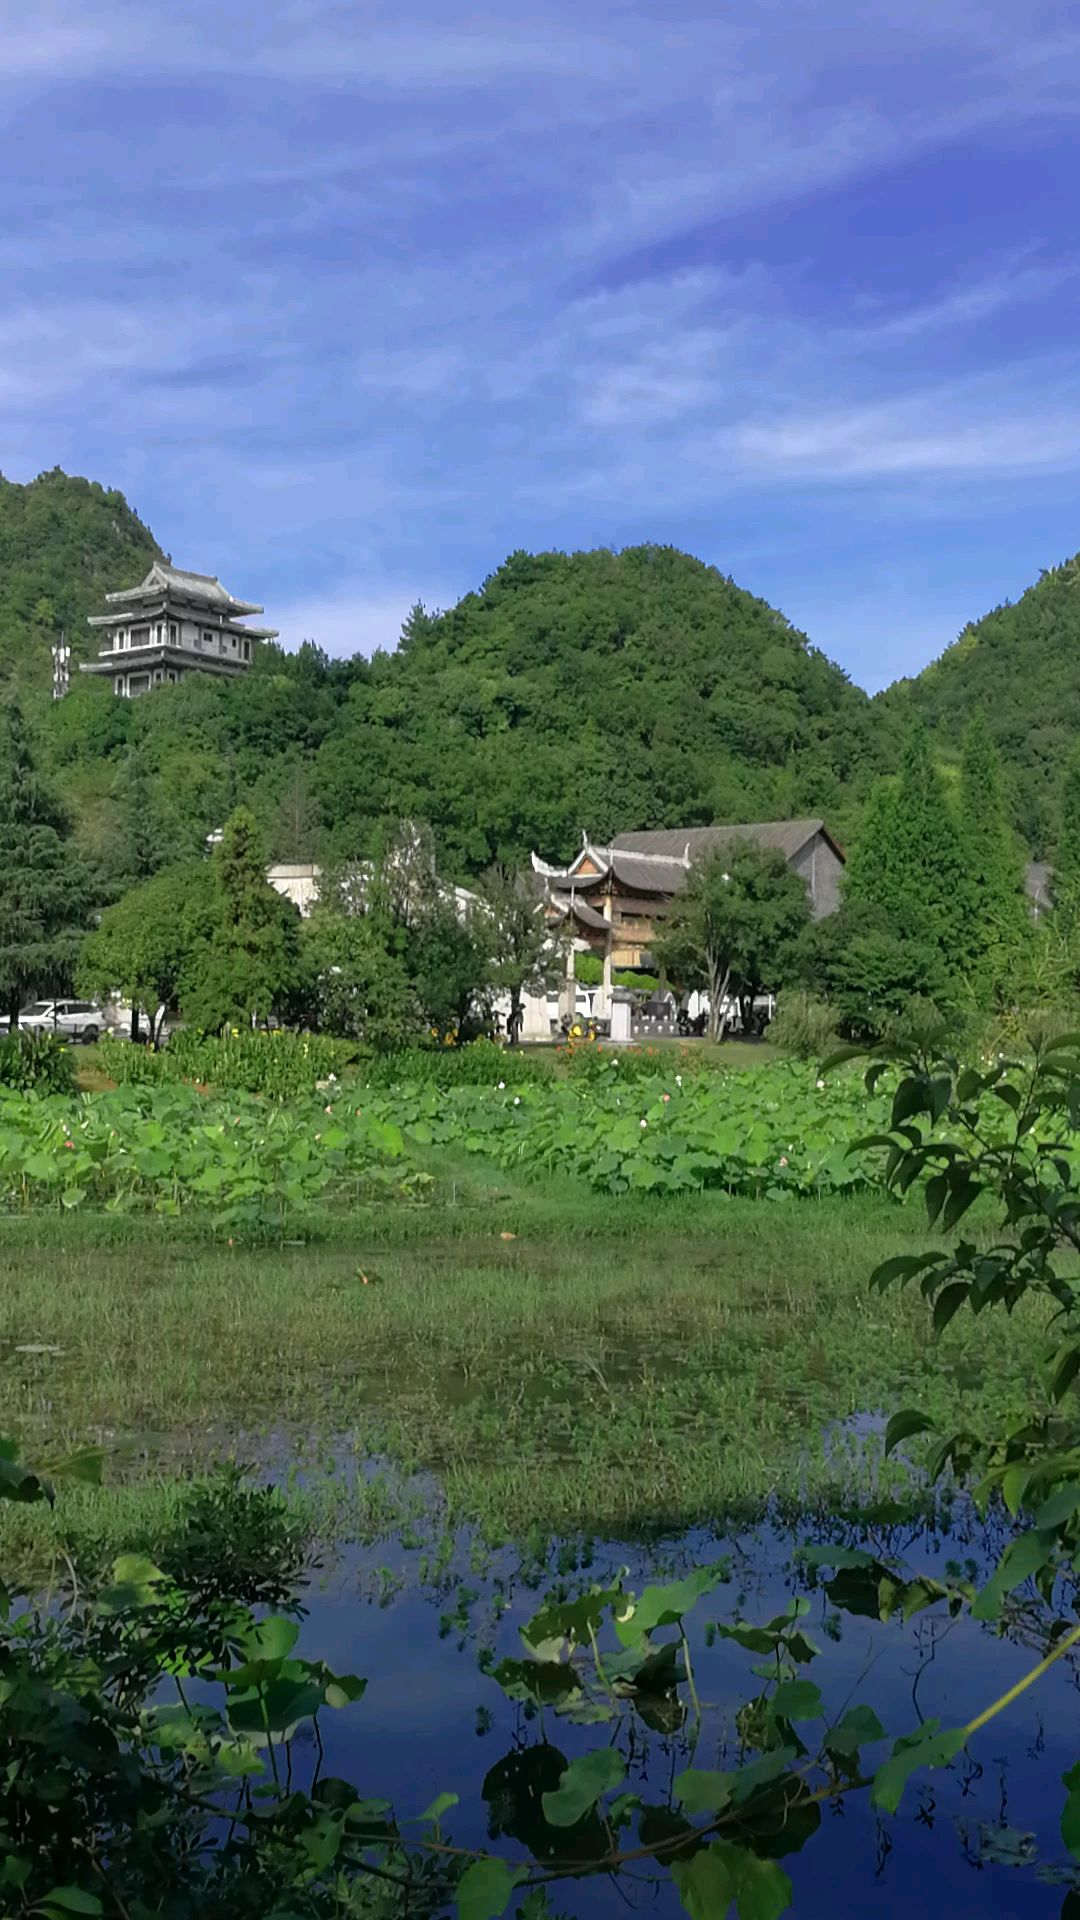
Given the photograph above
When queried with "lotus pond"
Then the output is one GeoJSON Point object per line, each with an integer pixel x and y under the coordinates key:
{"type": "Point", "coordinates": [249, 1165]}
{"type": "Point", "coordinates": [501, 1348]}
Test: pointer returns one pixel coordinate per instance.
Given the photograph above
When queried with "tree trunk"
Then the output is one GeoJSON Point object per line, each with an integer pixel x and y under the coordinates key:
{"type": "Point", "coordinates": [515, 1020]}
{"type": "Point", "coordinates": [719, 978]}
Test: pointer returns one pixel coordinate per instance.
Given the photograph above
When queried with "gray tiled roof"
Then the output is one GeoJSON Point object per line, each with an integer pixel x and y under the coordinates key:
{"type": "Point", "coordinates": [788, 836]}
{"type": "Point", "coordinates": [631, 904]}
{"type": "Point", "coordinates": [581, 910]}
{"type": "Point", "coordinates": [204, 587]}
{"type": "Point", "coordinates": [648, 875]}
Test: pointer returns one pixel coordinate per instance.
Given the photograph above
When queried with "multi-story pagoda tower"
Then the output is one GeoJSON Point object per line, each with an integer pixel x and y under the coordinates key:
{"type": "Point", "coordinates": [174, 623]}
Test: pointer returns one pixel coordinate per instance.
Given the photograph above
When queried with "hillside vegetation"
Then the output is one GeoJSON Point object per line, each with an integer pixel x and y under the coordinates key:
{"type": "Point", "coordinates": [64, 543]}
{"type": "Point", "coordinates": [607, 690]}
{"type": "Point", "coordinates": [601, 690]}
{"type": "Point", "coordinates": [1021, 665]}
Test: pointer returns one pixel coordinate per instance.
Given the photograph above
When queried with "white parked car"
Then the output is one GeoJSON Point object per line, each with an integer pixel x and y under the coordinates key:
{"type": "Point", "coordinates": [72, 1019]}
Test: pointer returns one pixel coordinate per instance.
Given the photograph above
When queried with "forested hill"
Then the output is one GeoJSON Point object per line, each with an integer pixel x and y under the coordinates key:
{"type": "Point", "coordinates": [601, 690]}
{"type": "Point", "coordinates": [64, 543]}
{"type": "Point", "coordinates": [1021, 665]}
{"type": "Point", "coordinates": [596, 689]}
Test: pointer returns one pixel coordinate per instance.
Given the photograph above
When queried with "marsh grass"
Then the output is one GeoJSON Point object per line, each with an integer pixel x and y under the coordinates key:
{"type": "Point", "coordinates": [542, 1355]}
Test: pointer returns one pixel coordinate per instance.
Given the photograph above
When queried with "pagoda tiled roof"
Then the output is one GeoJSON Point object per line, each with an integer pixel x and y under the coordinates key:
{"type": "Point", "coordinates": [205, 588]}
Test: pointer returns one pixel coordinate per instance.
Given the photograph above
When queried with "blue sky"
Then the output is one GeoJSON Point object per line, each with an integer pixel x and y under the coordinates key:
{"type": "Point", "coordinates": [352, 299]}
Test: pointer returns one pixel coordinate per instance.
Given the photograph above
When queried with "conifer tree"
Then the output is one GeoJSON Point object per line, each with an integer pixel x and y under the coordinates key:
{"type": "Point", "coordinates": [994, 897]}
{"type": "Point", "coordinates": [250, 966]}
{"type": "Point", "coordinates": [909, 859]}
{"type": "Point", "coordinates": [869, 877]}
{"type": "Point", "coordinates": [45, 890]}
{"type": "Point", "coordinates": [141, 846]}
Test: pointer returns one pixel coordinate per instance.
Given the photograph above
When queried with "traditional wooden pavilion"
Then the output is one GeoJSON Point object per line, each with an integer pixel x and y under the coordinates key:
{"type": "Point", "coordinates": [610, 899]}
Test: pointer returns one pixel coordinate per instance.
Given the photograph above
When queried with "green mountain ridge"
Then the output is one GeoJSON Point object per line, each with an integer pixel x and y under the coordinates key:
{"type": "Point", "coordinates": [596, 690]}
{"type": "Point", "coordinates": [1020, 664]}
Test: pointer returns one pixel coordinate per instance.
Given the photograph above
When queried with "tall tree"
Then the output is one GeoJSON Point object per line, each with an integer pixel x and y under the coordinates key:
{"type": "Point", "coordinates": [740, 910]}
{"type": "Point", "coordinates": [998, 920]}
{"type": "Point", "coordinates": [147, 944]}
{"type": "Point", "coordinates": [45, 892]}
{"type": "Point", "coordinates": [775, 913]}
{"type": "Point", "coordinates": [141, 844]}
{"type": "Point", "coordinates": [867, 969]}
{"type": "Point", "coordinates": [448, 956]}
{"type": "Point", "coordinates": [358, 986]}
{"type": "Point", "coordinates": [908, 859]}
{"type": "Point", "coordinates": [524, 958]}
{"type": "Point", "coordinates": [296, 821]}
{"type": "Point", "coordinates": [438, 932]}
{"type": "Point", "coordinates": [250, 967]}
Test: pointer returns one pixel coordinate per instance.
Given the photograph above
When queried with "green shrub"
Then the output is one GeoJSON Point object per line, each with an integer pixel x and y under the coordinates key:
{"type": "Point", "coordinates": [133, 1066]}
{"type": "Point", "coordinates": [36, 1063]}
{"type": "Point", "coordinates": [237, 1537]}
{"type": "Point", "coordinates": [803, 1026]}
{"type": "Point", "coordinates": [589, 972]}
{"type": "Point", "coordinates": [280, 1064]}
{"type": "Point", "coordinates": [920, 1025]}
{"type": "Point", "coordinates": [249, 1060]}
{"type": "Point", "coordinates": [482, 1063]}
{"type": "Point", "coordinates": [596, 1063]}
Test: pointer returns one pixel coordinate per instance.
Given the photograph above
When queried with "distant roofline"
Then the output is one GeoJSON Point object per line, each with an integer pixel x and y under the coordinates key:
{"type": "Point", "coordinates": [814, 823]}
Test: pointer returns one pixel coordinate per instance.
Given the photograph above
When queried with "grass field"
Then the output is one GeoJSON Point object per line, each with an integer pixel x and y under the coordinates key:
{"type": "Point", "coordinates": [552, 1358]}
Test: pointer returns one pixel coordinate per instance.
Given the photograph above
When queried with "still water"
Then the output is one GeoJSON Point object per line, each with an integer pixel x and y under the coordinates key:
{"type": "Point", "coordinates": [979, 1837]}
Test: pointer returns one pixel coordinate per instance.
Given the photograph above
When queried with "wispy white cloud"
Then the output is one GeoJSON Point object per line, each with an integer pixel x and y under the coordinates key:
{"type": "Point", "coordinates": [50, 42]}
{"type": "Point", "coordinates": [915, 438]}
{"type": "Point", "coordinates": [1011, 284]}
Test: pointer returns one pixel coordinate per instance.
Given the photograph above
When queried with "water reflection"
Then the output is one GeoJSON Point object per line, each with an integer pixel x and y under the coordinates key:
{"type": "Point", "coordinates": [980, 1836]}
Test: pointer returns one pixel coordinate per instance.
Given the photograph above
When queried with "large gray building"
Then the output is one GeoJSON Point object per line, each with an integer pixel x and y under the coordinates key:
{"type": "Point", "coordinates": [172, 624]}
